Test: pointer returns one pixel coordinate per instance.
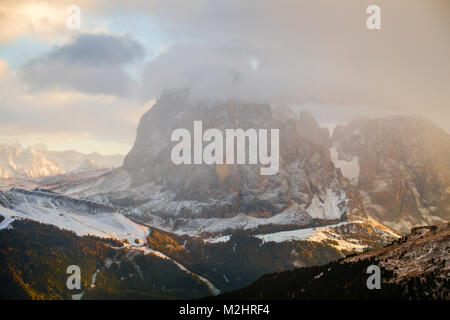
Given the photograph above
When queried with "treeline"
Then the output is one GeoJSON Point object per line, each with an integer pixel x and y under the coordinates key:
{"type": "Point", "coordinates": [241, 260]}
{"type": "Point", "coordinates": [34, 258]}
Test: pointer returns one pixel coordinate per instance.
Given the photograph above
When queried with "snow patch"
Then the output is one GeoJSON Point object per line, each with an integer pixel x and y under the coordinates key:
{"type": "Point", "coordinates": [300, 234]}
{"type": "Point", "coordinates": [8, 218]}
{"type": "Point", "coordinates": [328, 208]}
{"type": "Point", "coordinates": [349, 169]}
{"type": "Point", "coordinates": [217, 239]}
{"type": "Point", "coordinates": [320, 234]}
{"type": "Point", "coordinates": [338, 241]}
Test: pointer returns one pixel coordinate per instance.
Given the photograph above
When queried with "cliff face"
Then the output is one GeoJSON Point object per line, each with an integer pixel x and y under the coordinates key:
{"type": "Point", "coordinates": [306, 177]}
{"type": "Point", "coordinates": [404, 168]}
{"type": "Point", "coordinates": [396, 170]}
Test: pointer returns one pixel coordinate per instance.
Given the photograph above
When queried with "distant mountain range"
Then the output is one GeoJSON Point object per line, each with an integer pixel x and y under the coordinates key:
{"type": "Point", "coordinates": [37, 162]}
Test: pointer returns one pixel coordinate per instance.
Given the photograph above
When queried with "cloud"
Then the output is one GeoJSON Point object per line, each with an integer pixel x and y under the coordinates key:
{"type": "Point", "coordinates": [45, 19]}
{"type": "Point", "coordinates": [308, 51]}
{"type": "Point", "coordinates": [3, 68]}
{"type": "Point", "coordinates": [208, 71]}
{"type": "Point", "coordinates": [315, 54]}
{"type": "Point", "coordinates": [105, 123]}
{"type": "Point", "coordinates": [91, 63]}
{"type": "Point", "coordinates": [98, 49]}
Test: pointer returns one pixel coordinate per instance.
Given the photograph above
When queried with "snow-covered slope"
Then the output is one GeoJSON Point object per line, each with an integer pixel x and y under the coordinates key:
{"type": "Point", "coordinates": [82, 217]}
{"type": "Point", "coordinates": [343, 236]}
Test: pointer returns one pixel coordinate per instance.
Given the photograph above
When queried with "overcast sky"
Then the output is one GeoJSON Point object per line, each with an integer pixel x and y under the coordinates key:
{"type": "Point", "coordinates": [86, 89]}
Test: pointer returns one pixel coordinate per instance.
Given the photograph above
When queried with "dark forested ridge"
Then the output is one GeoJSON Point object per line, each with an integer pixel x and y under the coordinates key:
{"type": "Point", "coordinates": [413, 267]}
{"type": "Point", "coordinates": [332, 281]}
{"type": "Point", "coordinates": [34, 258]}
{"type": "Point", "coordinates": [241, 260]}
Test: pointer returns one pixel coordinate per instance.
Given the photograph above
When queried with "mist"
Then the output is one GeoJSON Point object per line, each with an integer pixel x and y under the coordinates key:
{"type": "Point", "coordinates": [314, 55]}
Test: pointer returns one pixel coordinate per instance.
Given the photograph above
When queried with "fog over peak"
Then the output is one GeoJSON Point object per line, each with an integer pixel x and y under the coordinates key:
{"type": "Point", "coordinates": [314, 55]}
{"type": "Point", "coordinates": [300, 52]}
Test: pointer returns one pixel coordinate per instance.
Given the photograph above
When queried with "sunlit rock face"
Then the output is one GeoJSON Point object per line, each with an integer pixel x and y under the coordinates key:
{"type": "Point", "coordinates": [37, 162]}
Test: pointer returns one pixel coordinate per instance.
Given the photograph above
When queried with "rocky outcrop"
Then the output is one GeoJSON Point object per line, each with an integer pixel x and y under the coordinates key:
{"type": "Point", "coordinates": [422, 253]}
{"type": "Point", "coordinates": [310, 129]}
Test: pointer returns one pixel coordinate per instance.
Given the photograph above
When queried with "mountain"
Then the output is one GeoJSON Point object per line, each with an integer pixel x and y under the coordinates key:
{"type": "Point", "coordinates": [193, 199]}
{"type": "Point", "coordinates": [227, 261]}
{"type": "Point", "coordinates": [225, 225]}
{"type": "Point", "coordinates": [36, 162]}
{"type": "Point", "coordinates": [401, 165]}
{"type": "Point", "coordinates": [416, 266]}
{"type": "Point", "coordinates": [223, 191]}
{"type": "Point", "coordinates": [16, 162]}
{"type": "Point", "coordinates": [87, 165]}
{"type": "Point", "coordinates": [308, 200]}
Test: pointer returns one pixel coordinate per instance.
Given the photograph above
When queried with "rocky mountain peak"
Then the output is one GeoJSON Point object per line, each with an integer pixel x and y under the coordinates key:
{"type": "Point", "coordinates": [310, 129]}
{"type": "Point", "coordinates": [306, 181]}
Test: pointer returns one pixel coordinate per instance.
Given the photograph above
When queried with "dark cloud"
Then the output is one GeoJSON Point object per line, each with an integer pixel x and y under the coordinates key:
{"type": "Point", "coordinates": [98, 50]}
{"type": "Point", "coordinates": [91, 63]}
